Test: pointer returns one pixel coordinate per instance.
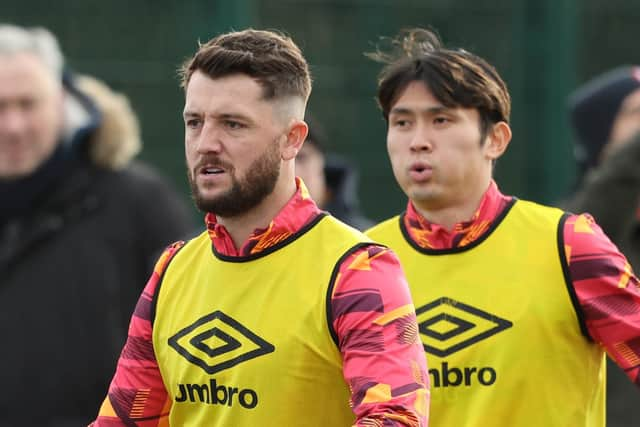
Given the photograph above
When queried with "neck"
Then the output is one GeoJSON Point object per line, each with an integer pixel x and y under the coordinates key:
{"type": "Point", "coordinates": [240, 227]}
{"type": "Point", "coordinates": [449, 214]}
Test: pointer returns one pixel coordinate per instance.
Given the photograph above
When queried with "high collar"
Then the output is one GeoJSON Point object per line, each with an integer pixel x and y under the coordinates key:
{"type": "Point", "coordinates": [298, 212]}
{"type": "Point", "coordinates": [429, 235]}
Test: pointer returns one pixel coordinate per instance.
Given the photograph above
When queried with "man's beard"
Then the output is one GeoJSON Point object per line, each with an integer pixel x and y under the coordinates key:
{"type": "Point", "coordinates": [245, 193]}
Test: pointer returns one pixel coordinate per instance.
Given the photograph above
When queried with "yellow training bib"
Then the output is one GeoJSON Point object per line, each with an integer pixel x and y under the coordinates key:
{"type": "Point", "coordinates": [246, 342]}
{"type": "Point", "coordinates": [498, 322]}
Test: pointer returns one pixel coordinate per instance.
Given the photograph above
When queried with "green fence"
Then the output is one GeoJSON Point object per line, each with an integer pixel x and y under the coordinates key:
{"type": "Point", "coordinates": [543, 49]}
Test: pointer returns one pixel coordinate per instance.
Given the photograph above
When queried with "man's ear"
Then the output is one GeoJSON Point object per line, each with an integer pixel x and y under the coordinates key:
{"type": "Point", "coordinates": [497, 140]}
{"type": "Point", "coordinates": [295, 137]}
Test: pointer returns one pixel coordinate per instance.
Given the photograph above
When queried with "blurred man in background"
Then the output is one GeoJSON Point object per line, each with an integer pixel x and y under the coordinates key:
{"type": "Point", "coordinates": [516, 302]}
{"type": "Point", "coordinates": [80, 226]}
{"type": "Point", "coordinates": [331, 179]}
{"type": "Point", "coordinates": [605, 116]}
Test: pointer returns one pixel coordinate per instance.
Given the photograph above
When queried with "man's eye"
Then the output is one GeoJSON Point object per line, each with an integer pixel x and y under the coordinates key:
{"type": "Point", "coordinates": [440, 120]}
{"type": "Point", "coordinates": [27, 104]}
{"type": "Point", "coordinates": [401, 123]}
{"type": "Point", "coordinates": [231, 124]}
{"type": "Point", "coordinates": [193, 123]}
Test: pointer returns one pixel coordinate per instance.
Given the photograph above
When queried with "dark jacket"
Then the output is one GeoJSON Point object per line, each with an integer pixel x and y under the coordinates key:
{"type": "Point", "coordinates": [611, 193]}
{"type": "Point", "coordinates": [73, 262]}
{"type": "Point", "coordinates": [342, 182]}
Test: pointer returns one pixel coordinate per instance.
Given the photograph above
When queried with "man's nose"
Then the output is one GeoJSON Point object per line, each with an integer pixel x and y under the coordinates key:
{"type": "Point", "coordinates": [12, 120]}
{"type": "Point", "coordinates": [421, 140]}
{"type": "Point", "coordinates": [210, 140]}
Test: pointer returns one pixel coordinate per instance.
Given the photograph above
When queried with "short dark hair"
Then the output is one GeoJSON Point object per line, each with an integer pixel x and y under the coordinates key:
{"type": "Point", "coordinates": [456, 78]}
{"type": "Point", "coordinates": [270, 57]}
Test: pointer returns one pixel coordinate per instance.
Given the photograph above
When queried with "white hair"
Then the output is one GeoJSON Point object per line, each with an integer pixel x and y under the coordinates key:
{"type": "Point", "coordinates": [37, 41]}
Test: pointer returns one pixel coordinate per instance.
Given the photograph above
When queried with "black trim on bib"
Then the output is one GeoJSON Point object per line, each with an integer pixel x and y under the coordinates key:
{"type": "Point", "coordinates": [567, 277]}
{"type": "Point", "coordinates": [270, 249]}
{"type": "Point", "coordinates": [332, 283]}
{"type": "Point", "coordinates": [154, 297]}
{"type": "Point", "coordinates": [470, 246]}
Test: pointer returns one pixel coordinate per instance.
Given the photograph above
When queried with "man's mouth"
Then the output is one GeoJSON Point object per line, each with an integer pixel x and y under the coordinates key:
{"type": "Point", "coordinates": [420, 167]}
{"type": "Point", "coordinates": [420, 172]}
{"type": "Point", "coordinates": [211, 170]}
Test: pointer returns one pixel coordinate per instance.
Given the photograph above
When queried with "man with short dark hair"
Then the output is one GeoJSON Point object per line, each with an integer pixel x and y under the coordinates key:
{"type": "Point", "coordinates": [277, 314]}
{"type": "Point", "coordinates": [516, 302]}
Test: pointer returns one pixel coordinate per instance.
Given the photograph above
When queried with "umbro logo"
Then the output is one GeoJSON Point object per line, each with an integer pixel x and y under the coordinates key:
{"type": "Point", "coordinates": [447, 326]}
{"type": "Point", "coordinates": [216, 342]}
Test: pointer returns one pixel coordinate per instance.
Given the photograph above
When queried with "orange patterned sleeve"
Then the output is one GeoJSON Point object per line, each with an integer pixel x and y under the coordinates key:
{"type": "Point", "coordinates": [375, 325]}
{"type": "Point", "coordinates": [137, 396]}
{"type": "Point", "coordinates": [607, 291]}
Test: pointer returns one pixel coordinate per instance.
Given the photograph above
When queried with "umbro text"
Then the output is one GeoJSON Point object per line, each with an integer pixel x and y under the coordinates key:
{"type": "Point", "coordinates": [215, 394]}
{"type": "Point", "coordinates": [451, 377]}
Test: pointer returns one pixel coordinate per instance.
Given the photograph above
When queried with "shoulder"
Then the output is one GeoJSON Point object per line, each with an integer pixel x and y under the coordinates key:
{"type": "Point", "coordinates": [140, 196]}
{"type": "Point", "coordinates": [167, 255]}
{"type": "Point", "coordinates": [582, 235]}
{"type": "Point", "coordinates": [332, 227]}
{"type": "Point", "coordinates": [141, 175]}
{"type": "Point", "coordinates": [371, 278]}
{"type": "Point", "coordinates": [161, 265]}
{"type": "Point", "coordinates": [534, 216]}
{"type": "Point", "coordinates": [534, 208]}
{"type": "Point", "coordinates": [368, 262]}
{"type": "Point", "coordinates": [383, 226]}
{"type": "Point", "coordinates": [142, 183]}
